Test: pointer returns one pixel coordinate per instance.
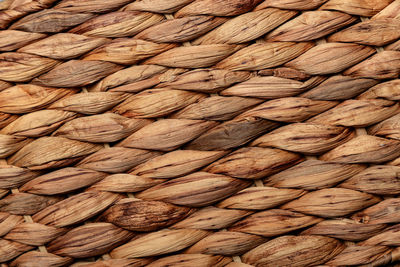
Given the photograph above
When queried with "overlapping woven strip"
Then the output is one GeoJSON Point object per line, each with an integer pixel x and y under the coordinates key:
{"type": "Point", "coordinates": [199, 133]}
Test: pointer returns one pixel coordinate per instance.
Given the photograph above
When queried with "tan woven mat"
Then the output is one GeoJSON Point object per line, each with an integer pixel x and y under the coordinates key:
{"type": "Point", "coordinates": [196, 133]}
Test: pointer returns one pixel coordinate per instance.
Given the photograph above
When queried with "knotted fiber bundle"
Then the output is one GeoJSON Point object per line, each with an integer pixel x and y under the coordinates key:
{"type": "Point", "coordinates": [199, 133]}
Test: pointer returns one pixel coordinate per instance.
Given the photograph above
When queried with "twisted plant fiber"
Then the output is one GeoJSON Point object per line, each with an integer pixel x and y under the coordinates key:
{"type": "Point", "coordinates": [199, 133]}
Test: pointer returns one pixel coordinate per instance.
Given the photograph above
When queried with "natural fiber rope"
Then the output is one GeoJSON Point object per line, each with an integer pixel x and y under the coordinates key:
{"type": "Point", "coordinates": [188, 146]}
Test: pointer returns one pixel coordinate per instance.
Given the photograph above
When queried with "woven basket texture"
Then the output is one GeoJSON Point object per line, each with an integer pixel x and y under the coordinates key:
{"type": "Point", "coordinates": [199, 133]}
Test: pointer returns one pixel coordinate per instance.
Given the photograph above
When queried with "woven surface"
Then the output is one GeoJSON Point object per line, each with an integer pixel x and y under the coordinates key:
{"type": "Point", "coordinates": [199, 133]}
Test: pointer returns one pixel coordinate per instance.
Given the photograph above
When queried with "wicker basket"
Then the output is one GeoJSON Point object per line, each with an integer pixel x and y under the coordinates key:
{"type": "Point", "coordinates": [199, 133]}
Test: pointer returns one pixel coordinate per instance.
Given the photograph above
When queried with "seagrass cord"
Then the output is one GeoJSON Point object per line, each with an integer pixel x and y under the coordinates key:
{"type": "Point", "coordinates": [199, 133]}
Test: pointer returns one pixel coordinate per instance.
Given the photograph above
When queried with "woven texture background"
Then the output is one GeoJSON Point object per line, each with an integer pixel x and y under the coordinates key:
{"type": "Point", "coordinates": [199, 133]}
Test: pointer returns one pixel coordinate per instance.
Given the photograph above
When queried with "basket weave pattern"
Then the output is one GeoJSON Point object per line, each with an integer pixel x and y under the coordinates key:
{"type": "Point", "coordinates": [199, 133]}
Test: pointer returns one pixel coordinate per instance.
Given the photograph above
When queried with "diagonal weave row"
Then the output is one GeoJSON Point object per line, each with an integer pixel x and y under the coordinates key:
{"type": "Point", "coordinates": [199, 133]}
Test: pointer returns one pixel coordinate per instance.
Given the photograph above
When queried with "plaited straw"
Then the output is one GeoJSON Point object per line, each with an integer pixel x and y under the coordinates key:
{"type": "Point", "coordinates": [199, 133]}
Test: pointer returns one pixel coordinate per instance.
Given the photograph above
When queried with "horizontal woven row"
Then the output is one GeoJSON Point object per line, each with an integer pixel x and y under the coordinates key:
{"type": "Point", "coordinates": [199, 133]}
